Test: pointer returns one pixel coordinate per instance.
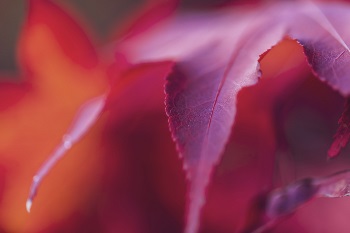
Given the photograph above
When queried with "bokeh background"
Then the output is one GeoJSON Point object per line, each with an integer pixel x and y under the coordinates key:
{"type": "Point", "coordinates": [103, 17]}
{"type": "Point", "coordinates": [127, 178]}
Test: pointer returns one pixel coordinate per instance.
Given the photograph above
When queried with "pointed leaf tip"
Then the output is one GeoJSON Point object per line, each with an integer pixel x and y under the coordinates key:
{"type": "Point", "coordinates": [29, 205]}
{"type": "Point", "coordinates": [69, 35]}
{"type": "Point", "coordinates": [85, 118]}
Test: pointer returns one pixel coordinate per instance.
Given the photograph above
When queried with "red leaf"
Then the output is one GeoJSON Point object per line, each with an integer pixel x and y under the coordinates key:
{"type": "Point", "coordinates": [342, 136]}
{"type": "Point", "coordinates": [153, 12]}
{"type": "Point", "coordinates": [11, 93]}
{"type": "Point", "coordinates": [62, 71]}
{"type": "Point", "coordinates": [73, 41]}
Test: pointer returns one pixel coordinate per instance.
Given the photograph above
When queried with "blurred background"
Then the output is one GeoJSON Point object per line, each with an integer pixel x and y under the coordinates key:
{"type": "Point", "coordinates": [103, 17]}
{"type": "Point", "coordinates": [127, 178]}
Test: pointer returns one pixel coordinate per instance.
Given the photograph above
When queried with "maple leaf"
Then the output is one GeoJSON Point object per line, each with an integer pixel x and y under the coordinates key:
{"type": "Point", "coordinates": [62, 93]}
{"type": "Point", "coordinates": [217, 54]}
{"type": "Point", "coordinates": [60, 71]}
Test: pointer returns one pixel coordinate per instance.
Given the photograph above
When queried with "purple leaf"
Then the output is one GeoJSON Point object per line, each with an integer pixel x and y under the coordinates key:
{"type": "Point", "coordinates": [217, 54]}
{"type": "Point", "coordinates": [320, 29]}
{"type": "Point", "coordinates": [201, 100]}
{"type": "Point", "coordinates": [327, 50]}
{"type": "Point", "coordinates": [273, 206]}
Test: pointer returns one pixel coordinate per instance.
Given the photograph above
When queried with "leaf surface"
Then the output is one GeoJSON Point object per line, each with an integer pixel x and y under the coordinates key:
{"type": "Point", "coordinates": [216, 55]}
{"type": "Point", "coordinates": [320, 29]}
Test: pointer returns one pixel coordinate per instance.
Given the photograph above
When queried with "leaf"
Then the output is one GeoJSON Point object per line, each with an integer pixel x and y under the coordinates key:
{"type": "Point", "coordinates": [48, 24]}
{"type": "Point", "coordinates": [330, 62]}
{"type": "Point", "coordinates": [11, 92]}
{"type": "Point", "coordinates": [342, 135]}
{"type": "Point", "coordinates": [279, 203]}
{"type": "Point", "coordinates": [200, 104]}
{"type": "Point", "coordinates": [201, 97]}
{"type": "Point", "coordinates": [85, 118]}
{"type": "Point", "coordinates": [326, 45]}
{"type": "Point", "coordinates": [216, 55]}
{"type": "Point", "coordinates": [37, 110]}
{"type": "Point", "coordinates": [46, 17]}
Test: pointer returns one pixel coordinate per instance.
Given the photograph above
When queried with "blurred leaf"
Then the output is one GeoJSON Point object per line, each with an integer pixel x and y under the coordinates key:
{"type": "Point", "coordinates": [61, 71]}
